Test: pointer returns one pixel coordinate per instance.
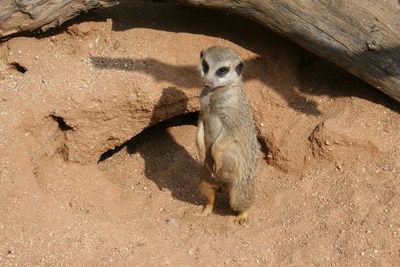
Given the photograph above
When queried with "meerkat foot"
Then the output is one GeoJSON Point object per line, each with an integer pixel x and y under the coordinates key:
{"type": "Point", "coordinates": [205, 211]}
{"type": "Point", "coordinates": [242, 218]}
{"type": "Point", "coordinates": [208, 192]}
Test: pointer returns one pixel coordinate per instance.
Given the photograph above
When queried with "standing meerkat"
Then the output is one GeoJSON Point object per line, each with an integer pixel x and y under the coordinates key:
{"type": "Point", "coordinates": [226, 137]}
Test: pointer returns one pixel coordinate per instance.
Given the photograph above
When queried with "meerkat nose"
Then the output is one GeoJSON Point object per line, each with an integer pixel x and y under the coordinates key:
{"type": "Point", "coordinates": [209, 84]}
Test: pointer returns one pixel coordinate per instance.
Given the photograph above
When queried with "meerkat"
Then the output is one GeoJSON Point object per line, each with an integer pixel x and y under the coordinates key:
{"type": "Point", "coordinates": [226, 136]}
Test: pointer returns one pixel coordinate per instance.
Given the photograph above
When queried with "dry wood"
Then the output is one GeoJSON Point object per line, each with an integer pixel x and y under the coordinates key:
{"type": "Point", "coordinates": [362, 36]}
{"type": "Point", "coordinates": [28, 15]}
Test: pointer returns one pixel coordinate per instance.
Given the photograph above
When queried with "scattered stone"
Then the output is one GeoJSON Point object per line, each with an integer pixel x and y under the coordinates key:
{"type": "Point", "coordinates": [116, 45]}
{"type": "Point", "coordinates": [170, 220]}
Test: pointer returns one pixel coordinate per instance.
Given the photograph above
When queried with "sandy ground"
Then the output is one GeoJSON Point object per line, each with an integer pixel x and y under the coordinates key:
{"type": "Point", "coordinates": [84, 180]}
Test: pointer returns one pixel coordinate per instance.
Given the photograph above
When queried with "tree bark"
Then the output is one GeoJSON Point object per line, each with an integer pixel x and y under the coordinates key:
{"type": "Point", "coordinates": [361, 36]}
{"type": "Point", "coordinates": [27, 15]}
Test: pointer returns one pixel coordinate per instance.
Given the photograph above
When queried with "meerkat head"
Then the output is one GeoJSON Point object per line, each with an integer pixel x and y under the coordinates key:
{"type": "Point", "coordinates": [220, 66]}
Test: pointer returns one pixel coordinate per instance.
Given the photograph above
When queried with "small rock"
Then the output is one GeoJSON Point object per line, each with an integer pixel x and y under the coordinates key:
{"type": "Point", "coordinates": [116, 45]}
{"type": "Point", "coordinates": [371, 45]}
{"type": "Point", "coordinates": [327, 143]}
{"type": "Point", "coordinates": [170, 220]}
{"type": "Point", "coordinates": [79, 30]}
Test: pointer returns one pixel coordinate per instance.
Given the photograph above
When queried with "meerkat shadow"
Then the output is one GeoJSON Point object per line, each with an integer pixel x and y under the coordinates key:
{"type": "Point", "coordinates": [167, 163]}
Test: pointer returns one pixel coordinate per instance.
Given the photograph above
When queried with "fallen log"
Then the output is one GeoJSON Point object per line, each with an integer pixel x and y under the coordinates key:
{"type": "Point", "coordinates": [361, 36]}
{"type": "Point", "coordinates": [28, 15]}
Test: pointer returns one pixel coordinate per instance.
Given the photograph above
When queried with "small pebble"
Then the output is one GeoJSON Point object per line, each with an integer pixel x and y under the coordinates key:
{"type": "Point", "coordinates": [170, 220]}
{"type": "Point", "coordinates": [116, 45]}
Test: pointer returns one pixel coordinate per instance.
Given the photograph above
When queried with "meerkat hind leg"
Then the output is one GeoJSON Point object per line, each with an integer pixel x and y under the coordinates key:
{"type": "Point", "coordinates": [242, 216]}
{"type": "Point", "coordinates": [230, 172]}
{"type": "Point", "coordinates": [208, 191]}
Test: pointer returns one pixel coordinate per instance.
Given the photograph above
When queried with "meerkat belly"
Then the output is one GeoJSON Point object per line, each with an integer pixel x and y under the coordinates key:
{"type": "Point", "coordinates": [213, 129]}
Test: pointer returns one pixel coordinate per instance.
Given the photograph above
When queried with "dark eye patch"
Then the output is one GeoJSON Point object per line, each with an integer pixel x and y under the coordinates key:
{"type": "Point", "coordinates": [222, 71]}
{"type": "Point", "coordinates": [205, 66]}
{"type": "Point", "coordinates": [239, 68]}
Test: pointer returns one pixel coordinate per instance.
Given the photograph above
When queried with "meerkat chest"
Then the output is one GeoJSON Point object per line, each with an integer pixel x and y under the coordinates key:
{"type": "Point", "coordinates": [211, 121]}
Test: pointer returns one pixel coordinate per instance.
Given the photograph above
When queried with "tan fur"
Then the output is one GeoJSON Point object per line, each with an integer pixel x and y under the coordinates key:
{"type": "Point", "coordinates": [226, 136]}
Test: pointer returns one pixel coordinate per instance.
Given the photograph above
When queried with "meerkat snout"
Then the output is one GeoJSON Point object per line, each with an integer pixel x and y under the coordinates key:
{"type": "Point", "coordinates": [220, 67]}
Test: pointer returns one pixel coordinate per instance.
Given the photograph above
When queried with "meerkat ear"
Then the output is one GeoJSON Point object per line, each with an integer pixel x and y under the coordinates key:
{"type": "Point", "coordinates": [239, 68]}
{"type": "Point", "coordinates": [201, 54]}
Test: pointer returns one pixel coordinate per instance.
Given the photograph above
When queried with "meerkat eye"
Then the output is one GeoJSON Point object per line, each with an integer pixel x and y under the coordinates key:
{"type": "Point", "coordinates": [205, 66]}
{"type": "Point", "coordinates": [222, 71]}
